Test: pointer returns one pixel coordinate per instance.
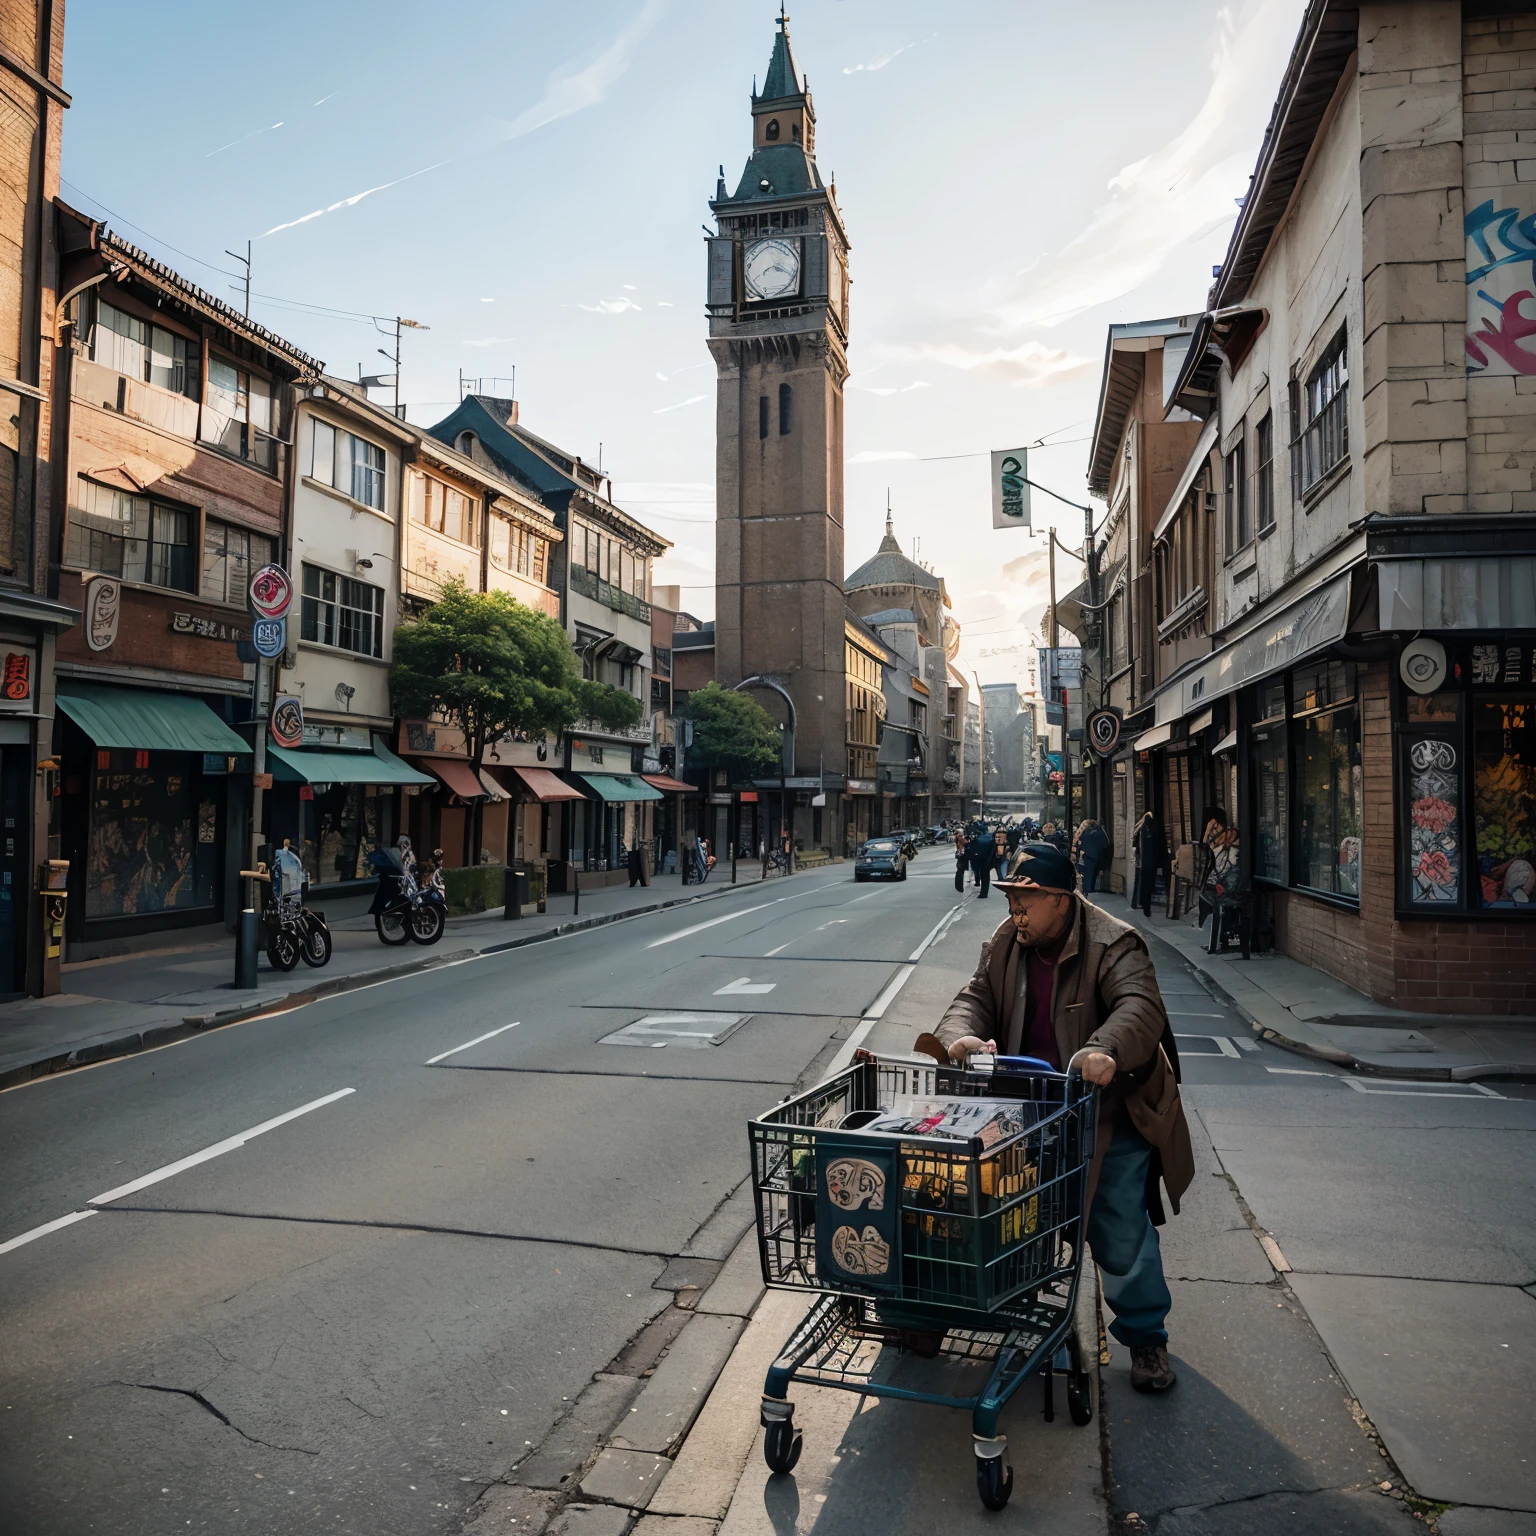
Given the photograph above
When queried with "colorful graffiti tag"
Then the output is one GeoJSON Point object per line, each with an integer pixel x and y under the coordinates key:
{"type": "Point", "coordinates": [1501, 280]}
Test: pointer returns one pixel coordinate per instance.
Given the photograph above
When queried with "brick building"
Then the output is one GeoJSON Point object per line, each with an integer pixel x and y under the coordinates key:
{"type": "Point", "coordinates": [1363, 699]}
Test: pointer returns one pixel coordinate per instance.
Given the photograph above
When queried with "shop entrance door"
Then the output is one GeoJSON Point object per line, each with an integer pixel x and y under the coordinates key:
{"type": "Point", "coordinates": [15, 852]}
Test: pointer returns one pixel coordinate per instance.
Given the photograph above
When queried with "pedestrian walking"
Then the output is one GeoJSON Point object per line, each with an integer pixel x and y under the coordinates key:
{"type": "Point", "coordinates": [1151, 852]}
{"type": "Point", "coordinates": [983, 850]}
{"type": "Point", "coordinates": [1000, 862]}
{"type": "Point", "coordinates": [1090, 853]}
{"type": "Point", "coordinates": [961, 859]}
{"type": "Point", "coordinates": [1064, 981]}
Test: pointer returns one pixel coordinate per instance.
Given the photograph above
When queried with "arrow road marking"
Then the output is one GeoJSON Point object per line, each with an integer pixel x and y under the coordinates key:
{"type": "Point", "coordinates": [743, 985]}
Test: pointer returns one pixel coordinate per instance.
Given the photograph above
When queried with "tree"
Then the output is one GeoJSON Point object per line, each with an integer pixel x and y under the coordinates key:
{"type": "Point", "coordinates": [733, 731]}
{"type": "Point", "coordinates": [491, 666]}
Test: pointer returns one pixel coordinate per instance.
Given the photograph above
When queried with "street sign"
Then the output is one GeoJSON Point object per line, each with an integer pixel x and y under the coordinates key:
{"type": "Point", "coordinates": [1010, 488]}
{"type": "Point", "coordinates": [269, 637]}
{"type": "Point", "coordinates": [1103, 730]}
{"type": "Point", "coordinates": [288, 721]}
{"type": "Point", "coordinates": [271, 593]}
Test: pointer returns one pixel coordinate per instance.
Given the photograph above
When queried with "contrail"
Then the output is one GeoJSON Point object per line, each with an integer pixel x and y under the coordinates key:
{"type": "Point", "coordinates": [348, 202]}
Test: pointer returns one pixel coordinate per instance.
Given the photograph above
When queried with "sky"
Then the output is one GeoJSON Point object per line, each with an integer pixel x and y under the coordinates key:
{"type": "Point", "coordinates": [530, 183]}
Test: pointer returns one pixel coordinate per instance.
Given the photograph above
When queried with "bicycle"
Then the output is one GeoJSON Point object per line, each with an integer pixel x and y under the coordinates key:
{"type": "Point", "coordinates": [775, 863]}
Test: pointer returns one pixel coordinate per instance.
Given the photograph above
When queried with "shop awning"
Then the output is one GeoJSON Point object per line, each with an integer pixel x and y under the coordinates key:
{"type": "Point", "coordinates": [668, 785]}
{"type": "Point", "coordinates": [492, 788]}
{"type": "Point", "coordinates": [459, 777]}
{"type": "Point", "coordinates": [620, 788]}
{"type": "Point", "coordinates": [1153, 738]}
{"type": "Point", "coordinates": [309, 766]}
{"type": "Point", "coordinates": [544, 785]}
{"type": "Point", "coordinates": [1228, 743]}
{"type": "Point", "coordinates": [140, 720]}
{"type": "Point", "coordinates": [1494, 593]}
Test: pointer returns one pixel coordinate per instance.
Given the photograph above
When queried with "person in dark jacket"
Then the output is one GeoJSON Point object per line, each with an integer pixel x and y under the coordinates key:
{"type": "Point", "coordinates": [1151, 850]}
{"type": "Point", "coordinates": [983, 851]}
{"type": "Point", "coordinates": [1064, 981]}
{"type": "Point", "coordinates": [1092, 853]}
{"type": "Point", "coordinates": [962, 860]}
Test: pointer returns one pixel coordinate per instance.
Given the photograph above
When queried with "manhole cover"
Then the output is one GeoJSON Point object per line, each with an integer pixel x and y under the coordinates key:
{"type": "Point", "coordinates": [689, 1030]}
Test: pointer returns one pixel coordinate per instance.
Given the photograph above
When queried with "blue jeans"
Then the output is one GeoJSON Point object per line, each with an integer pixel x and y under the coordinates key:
{"type": "Point", "coordinates": [1124, 1243]}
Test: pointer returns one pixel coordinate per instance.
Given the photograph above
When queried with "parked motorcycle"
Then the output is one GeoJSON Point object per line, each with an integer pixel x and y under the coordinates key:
{"type": "Point", "coordinates": [402, 909]}
{"type": "Point", "coordinates": [293, 931]}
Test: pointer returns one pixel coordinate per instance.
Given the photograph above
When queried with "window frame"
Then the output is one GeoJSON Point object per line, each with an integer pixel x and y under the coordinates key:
{"type": "Point", "coordinates": [332, 589]}
{"type": "Point", "coordinates": [241, 446]}
{"type": "Point", "coordinates": [253, 560]}
{"type": "Point", "coordinates": [155, 509]}
{"type": "Point", "coordinates": [1264, 473]}
{"type": "Point", "coordinates": [189, 359]}
{"type": "Point", "coordinates": [1320, 415]}
{"type": "Point", "coordinates": [1234, 489]}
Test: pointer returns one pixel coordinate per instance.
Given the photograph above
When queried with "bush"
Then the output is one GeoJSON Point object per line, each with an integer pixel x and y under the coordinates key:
{"type": "Point", "coordinates": [475, 888]}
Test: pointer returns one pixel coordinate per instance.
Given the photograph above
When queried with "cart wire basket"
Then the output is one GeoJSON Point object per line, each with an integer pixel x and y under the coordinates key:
{"type": "Point", "coordinates": [967, 1251]}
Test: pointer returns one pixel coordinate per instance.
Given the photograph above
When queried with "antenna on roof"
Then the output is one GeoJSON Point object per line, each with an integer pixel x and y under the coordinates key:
{"type": "Point", "coordinates": [245, 261]}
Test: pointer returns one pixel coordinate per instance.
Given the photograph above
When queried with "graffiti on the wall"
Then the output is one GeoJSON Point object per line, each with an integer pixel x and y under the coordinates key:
{"type": "Point", "coordinates": [1501, 280]}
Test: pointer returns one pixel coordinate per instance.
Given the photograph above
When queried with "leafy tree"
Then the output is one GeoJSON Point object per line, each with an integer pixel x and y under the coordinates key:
{"type": "Point", "coordinates": [490, 665]}
{"type": "Point", "coordinates": [733, 731]}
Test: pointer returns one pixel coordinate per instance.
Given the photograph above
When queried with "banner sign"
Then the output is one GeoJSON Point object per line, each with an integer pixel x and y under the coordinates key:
{"type": "Point", "coordinates": [288, 721]}
{"type": "Point", "coordinates": [1010, 488]}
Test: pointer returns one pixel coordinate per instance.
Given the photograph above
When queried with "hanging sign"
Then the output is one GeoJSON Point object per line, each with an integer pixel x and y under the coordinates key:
{"type": "Point", "coordinates": [1103, 730]}
{"type": "Point", "coordinates": [17, 668]}
{"type": "Point", "coordinates": [269, 637]}
{"type": "Point", "coordinates": [1010, 488]}
{"type": "Point", "coordinates": [288, 721]}
{"type": "Point", "coordinates": [271, 593]}
{"type": "Point", "coordinates": [1422, 665]}
{"type": "Point", "coordinates": [103, 603]}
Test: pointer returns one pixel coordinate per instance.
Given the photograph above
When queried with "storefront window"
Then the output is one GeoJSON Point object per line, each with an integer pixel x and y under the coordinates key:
{"type": "Point", "coordinates": [341, 828]}
{"type": "Point", "coordinates": [1330, 801]}
{"type": "Point", "coordinates": [1434, 822]}
{"type": "Point", "coordinates": [1271, 784]}
{"type": "Point", "coordinates": [1504, 799]}
{"type": "Point", "coordinates": [153, 835]}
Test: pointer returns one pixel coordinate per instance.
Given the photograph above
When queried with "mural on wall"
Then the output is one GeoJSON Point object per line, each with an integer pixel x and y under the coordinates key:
{"type": "Point", "coordinates": [1501, 279]}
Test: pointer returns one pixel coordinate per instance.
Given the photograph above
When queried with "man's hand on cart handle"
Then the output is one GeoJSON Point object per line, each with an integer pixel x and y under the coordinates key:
{"type": "Point", "coordinates": [1096, 1066]}
{"type": "Point", "coordinates": [970, 1045]}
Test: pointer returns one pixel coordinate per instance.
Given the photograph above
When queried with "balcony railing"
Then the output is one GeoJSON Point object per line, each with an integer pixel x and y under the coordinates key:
{"type": "Point", "coordinates": [590, 584]}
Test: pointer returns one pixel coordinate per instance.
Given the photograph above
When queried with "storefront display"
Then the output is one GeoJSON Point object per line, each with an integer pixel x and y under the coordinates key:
{"type": "Point", "coordinates": [1504, 799]}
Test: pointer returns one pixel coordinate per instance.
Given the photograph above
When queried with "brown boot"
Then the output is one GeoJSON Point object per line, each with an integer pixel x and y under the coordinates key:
{"type": "Point", "coordinates": [1150, 1370]}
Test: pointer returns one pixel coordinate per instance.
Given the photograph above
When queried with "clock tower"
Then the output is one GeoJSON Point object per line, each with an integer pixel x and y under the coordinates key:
{"type": "Point", "coordinates": [778, 331]}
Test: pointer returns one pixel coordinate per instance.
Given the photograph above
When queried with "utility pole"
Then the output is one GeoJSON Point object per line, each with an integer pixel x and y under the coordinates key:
{"type": "Point", "coordinates": [981, 749]}
{"type": "Point", "coordinates": [245, 261]}
{"type": "Point", "coordinates": [402, 324]}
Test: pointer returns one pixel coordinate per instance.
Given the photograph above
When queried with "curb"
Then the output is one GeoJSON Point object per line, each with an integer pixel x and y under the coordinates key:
{"type": "Point", "coordinates": [133, 1042]}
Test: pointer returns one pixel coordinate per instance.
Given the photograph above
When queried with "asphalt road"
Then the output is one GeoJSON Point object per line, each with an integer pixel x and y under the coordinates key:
{"type": "Point", "coordinates": [356, 1318]}
{"type": "Point", "coordinates": [434, 1208]}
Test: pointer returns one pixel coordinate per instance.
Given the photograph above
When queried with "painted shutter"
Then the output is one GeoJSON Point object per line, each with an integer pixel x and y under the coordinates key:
{"type": "Point", "coordinates": [722, 269]}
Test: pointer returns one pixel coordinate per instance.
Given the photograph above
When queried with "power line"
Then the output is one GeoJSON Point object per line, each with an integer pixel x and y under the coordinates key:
{"type": "Point", "coordinates": [129, 224]}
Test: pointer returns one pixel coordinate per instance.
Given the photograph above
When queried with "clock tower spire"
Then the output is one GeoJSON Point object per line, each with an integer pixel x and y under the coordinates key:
{"type": "Point", "coordinates": [777, 304]}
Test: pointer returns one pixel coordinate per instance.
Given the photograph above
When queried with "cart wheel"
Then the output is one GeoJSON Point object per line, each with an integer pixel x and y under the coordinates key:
{"type": "Point", "coordinates": [781, 1445]}
{"type": "Point", "coordinates": [994, 1481]}
{"type": "Point", "coordinates": [1080, 1397]}
{"type": "Point", "coordinates": [283, 950]}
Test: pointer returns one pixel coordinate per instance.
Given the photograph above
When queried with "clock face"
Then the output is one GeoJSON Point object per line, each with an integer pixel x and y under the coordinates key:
{"type": "Point", "coordinates": [772, 268]}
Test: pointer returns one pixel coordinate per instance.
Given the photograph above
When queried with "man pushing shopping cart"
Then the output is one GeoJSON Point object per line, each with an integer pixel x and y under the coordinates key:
{"type": "Point", "coordinates": [1063, 981]}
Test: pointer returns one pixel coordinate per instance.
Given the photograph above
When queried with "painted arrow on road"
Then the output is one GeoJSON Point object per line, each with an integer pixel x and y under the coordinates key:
{"type": "Point", "coordinates": [745, 984]}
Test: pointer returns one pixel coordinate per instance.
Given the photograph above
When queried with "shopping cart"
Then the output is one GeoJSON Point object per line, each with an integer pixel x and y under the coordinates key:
{"type": "Point", "coordinates": [968, 1253]}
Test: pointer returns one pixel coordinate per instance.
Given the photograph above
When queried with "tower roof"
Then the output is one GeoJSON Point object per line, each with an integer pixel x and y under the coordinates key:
{"type": "Point", "coordinates": [783, 78]}
{"type": "Point", "coordinates": [890, 568]}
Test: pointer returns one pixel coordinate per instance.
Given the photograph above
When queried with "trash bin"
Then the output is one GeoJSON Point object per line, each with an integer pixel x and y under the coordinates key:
{"type": "Point", "coordinates": [515, 894]}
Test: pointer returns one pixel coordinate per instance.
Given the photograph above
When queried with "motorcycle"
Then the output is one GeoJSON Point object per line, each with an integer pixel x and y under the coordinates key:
{"type": "Point", "coordinates": [402, 909]}
{"type": "Point", "coordinates": [293, 932]}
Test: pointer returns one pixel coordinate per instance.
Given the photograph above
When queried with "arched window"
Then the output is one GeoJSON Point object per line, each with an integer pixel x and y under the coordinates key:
{"type": "Point", "coordinates": [762, 415]}
{"type": "Point", "coordinates": [784, 404]}
{"type": "Point", "coordinates": [771, 132]}
{"type": "Point", "coordinates": [466, 444]}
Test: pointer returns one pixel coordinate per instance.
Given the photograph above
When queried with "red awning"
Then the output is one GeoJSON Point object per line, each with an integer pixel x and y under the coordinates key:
{"type": "Point", "coordinates": [459, 777]}
{"type": "Point", "coordinates": [544, 785]}
{"type": "Point", "coordinates": [671, 785]}
{"type": "Point", "coordinates": [748, 797]}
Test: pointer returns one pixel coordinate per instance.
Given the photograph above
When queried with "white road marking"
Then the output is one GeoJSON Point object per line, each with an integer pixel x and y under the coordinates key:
{"type": "Point", "coordinates": [714, 922]}
{"type": "Point", "coordinates": [1184, 1013]}
{"type": "Point", "coordinates": [876, 1009]}
{"type": "Point", "coordinates": [851, 1044]}
{"type": "Point", "coordinates": [1429, 1090]}
{"type": "Point", "coordinates": [229, 1144]}
{"type": "Point", "coordinates": [743, 986]}
{"type": "Point", "coordinates": [861, 898]}
{"type": "Point", "coordinates": [45, 1229]}
{"type": "Point", "coordinates": [433, 1061]}
{"type": "Point", "coordinates": [1297, 1072]}
{"type": "Point", "coordinates": [780, 950]}
{"type": "Point", "coordinates": [1243, 1043]}
{"type": "Point", "coordinates": [937, 931]}
{"type": "Point", "coordinates": [1224, 1047]}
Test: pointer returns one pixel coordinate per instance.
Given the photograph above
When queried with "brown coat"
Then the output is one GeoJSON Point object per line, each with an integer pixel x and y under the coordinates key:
{"type": "Point", "coordinates": [1107, 999]}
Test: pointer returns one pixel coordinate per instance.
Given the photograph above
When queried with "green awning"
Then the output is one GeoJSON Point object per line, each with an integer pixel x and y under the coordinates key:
{"type": "Point", "coordinates": [619, 788]}
{"type": "Point", "coordinates": [140, 720]}
{"type": "Point", "coordinates": [310, 766]}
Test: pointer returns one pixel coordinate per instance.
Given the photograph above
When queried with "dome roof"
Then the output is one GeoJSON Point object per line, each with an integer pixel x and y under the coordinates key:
{"type": "Point", "coordinates": [890, 568]}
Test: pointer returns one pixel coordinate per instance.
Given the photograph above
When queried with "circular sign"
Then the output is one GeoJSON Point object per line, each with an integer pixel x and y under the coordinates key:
{"type": "Point", "coordinates": [271, 593]}
{"type": "Point", "coordinates": [288, 721]}
{"type": "Point", "coordinates": [269, 637]}
{"type": "Point", "coordinates": [1422, 665]}
{"type": "Point", "coordinates": [1103, 731]}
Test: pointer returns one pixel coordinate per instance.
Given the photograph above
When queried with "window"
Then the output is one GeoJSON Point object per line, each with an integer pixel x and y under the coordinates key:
{"type": "Point", "coordinates": [762, 415]}
{"type": "Point", "coordinates": [342, 612]}
{"type": "Point", "coordinates": [1235, 489]}
{"type": "Point", "coordinates": [1504, 800]}
{"type": "Point", "coordinates": [151, 353]}
{"type": "Point", "coordinates": [231, 556]}
{"type": "Point", "coordinates": [518, 549]}
{"type": "Point", "coordinates": [786, 395]}
{"type": "Point", "coordinates": [367, 472]}
{"type": "Point", "coordinates": [771, 132]}
{"type": "Point", "coordinates": [237, 416]}
{"type": "Point", "coordinates": [1321, 443]}
{"type": "Point", "coordinates": [443, 509]}
{"type": "Point", "coordinates": [1271, 789]}
{"type": "Point", "coordinates": [351, 464]}
{"type": "Point", "coordinates": [1264, 447]}
{"type": "Point", "coordinates": [131, 537]}
{"type": "Point", "coordinates": [1330, 786]}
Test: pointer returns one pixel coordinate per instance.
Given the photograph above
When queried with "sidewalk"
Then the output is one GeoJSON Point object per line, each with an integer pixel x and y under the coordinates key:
{"type": "Point", "coordinates": [1303, 1009]}
{"type": "Point", "coordinates": [129, 1003]}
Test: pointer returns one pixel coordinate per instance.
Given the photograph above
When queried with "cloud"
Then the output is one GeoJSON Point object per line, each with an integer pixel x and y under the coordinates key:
{"type": "Point", "coordinates": [880, 60]}
{"type": "Point", "coordinates": [610, 306]}
{"type": "Point", "coordinates": [1178, 193]}
{"type": "Point", "coordinates": [488, 341]}
{"type": "Point", "coordinates": [350, 202]}
{"type": "Point", "coordinates": [879, 456]}
{"type": "Point", "coordinates": [630, 286]}
{"type": "Point", "coordinates": [664, 304]}
{"type": "Point", "coordinates": [890, 389]}
{"type": "Point", "coordinates": [691, 400]}
{"type": "Point", "coordinates": [241, 140]}
{"type": "Point", "coordinates": [487, 301]}
{"type": "Point", "coordinates": [567, 92]}
{"type": "Point", "coordinates": [1027, 365]}
{"type": "Point", "coordinates": [686, 368]}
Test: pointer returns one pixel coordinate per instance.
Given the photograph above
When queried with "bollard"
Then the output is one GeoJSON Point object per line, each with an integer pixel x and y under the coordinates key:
{"type": "Point", "coordinates": [576, 877]}
{"type": "Point", "coordinates": [247, 947]}
{"type": "Point", "coordinates": [511, 895]}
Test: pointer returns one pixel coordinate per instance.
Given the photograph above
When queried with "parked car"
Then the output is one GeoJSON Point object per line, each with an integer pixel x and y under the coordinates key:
{"type": "Point", "coordinates": [882, 858]}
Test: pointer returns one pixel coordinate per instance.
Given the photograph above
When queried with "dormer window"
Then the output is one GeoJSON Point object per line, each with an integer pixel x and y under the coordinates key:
{"type": "Point", "coordinates": [771, 132]}
{"type": "Point", "coordinates": [795, 132]}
